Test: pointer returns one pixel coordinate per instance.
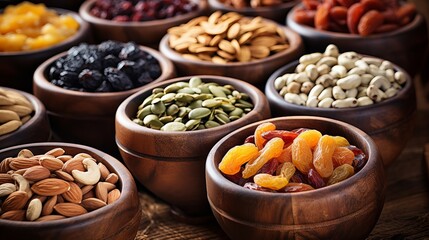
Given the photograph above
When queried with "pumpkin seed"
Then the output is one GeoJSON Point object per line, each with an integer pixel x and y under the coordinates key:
{"type": "Point", "coordinates": [192, 124]}
{"type": "Point", "coordinates": [195, 104]}
{"type": "Point", "coordinates": [194, 82]}
{"type": "Point", "coordinates": [236, 112]}
{"type": "Point", "coordinates": [217, 91]}
{"type": "Point", "coordinates": [199, 113]}
{"type": "Point", "coordinates": [166, 119]}
{"type": "Point", "coordinates": [142, 113]}
{"type": "Point", "coordinates": [149, 118]}
{"type": "Point", "coordinates": [211, 124]}
{"type": "Point", "coordinates": [172, 110]}
{"type": "Point", "coordinates": [174, 127]}
{"type": "Point", "coordinates": [212, 103]}
{"type": "Point", "coordinates": [169, 97]}
{"type": "Point", "coordinates": [227, 107]}
{"type": "Point", "coordinates": [157, 106]}
{"type": "Point", "coordinates": [184, 97]}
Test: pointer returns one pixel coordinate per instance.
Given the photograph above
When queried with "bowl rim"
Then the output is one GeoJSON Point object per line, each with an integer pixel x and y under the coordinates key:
{"type": "Point", "coordinates": [273, 94]}
{"type": "Point", "coordinates": [125, 182]}
{"type": "Point", "coordinates": [216, 4]}
{"type": "Point", "coordinates": [311, 31]}
{"type": "Point", "coordinates": [39, 113]}
{"type": "Point", "coordinates": [227, 185]}
{"type": "Point", "coordinates": [294, 39]}
{"type": "Point", "coordinates": [123, 119]}
{"type": "Point", "coordinates": [41, 80]}
{"type": "Point", "coordinates": [84, 28]}
{"type": "Point", "coordinates": [84, 13]}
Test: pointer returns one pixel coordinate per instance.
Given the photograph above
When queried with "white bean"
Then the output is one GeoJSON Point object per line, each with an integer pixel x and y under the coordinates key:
{"type": "Point", "coordinates": [312, 102]}
{"type": "Point", "coordinates": [385, 65]}
{"type": "Point", "coordinates": [362, 64]}
{"type": "Point", "coordinates": [372, 61]}
{"type": "Point", "coordinates": [349, 82]}
{"type": "Point", "coordinates": [301, 77]}
{"type": "Point", "coordinates": [330, 61]}
{"type": "Point", "coordinates": [390, 75]}
{"type": "Point", "coordinates": [391, 92]}
{"type": "Point", "coordinates": [311, 58]}
{"type": "Point", "coordinates": [325, 80]}
{"type": "Point", "coordinates": [364, 101]}
{"type": "Point", "coordinates": [366, 78]}
{"type": "Point", "coordinates": [315, 91]}
{"type": "Point", "coordinates": [306, 87]}
{"type": "Point", "coordinates": [338, 71]}
{"type": "Point", "coordinates": [348, 59]}
{"type": "Point", "coordinates": [381, 82]}
{"type": "Point", "coordinates": [323, 69]}
{"type": "Point", "coordinates": [344, 103]}
{"type": "Point", "coordinates": [311, 71]}
{"type": "Point", "coordinates": [294, 98]}
{"type": "Point", "coordinates": [326, 93]}
{"type": "Point", "coordinates": [356, 70]}
{"type": "Point", "coordinates": [293, 87]}
{"type": "Point", "coordinates": [303, 96]}
{"type": "Point", "coordinates": [351, 92]}
{"type": "Point", "coordinates": [325, 103]}
{"type": "Point", "coordinates": [338, 93]}
{"type": "Point", "coordinates": [331, 51]}
{"type": "Point", "coordinates": [279, 83]}
{"type": "Point", "coordinates": [400, 77]}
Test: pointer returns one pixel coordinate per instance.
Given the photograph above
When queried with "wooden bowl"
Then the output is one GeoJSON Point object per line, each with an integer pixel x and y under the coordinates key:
{"type": "Point", "coordinates": [35, 130]}
{"type": "Point", "coordinates": [389, 123]}
{"type": "Point", "coordinates": [85, 117]}
{"type": "Point", "coordinates": [406, 46]}
{"type": "Point", "coordinates": [14, 75]}
{"type": "Point", "coordinates": [346, 210]}
{"type": "Point", "coordinates": [276, 13]}
{"type": "Point", "coordinates": [171, 164]}
{"type": "Point", "coordinates": [119, 220]}
{"type": "Point", "coordinates": [147, 33]}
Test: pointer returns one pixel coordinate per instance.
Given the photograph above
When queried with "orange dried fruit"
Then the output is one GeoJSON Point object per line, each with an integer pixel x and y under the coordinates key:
{"type": "Point", "coordinates": [354, 14]}
{"type": "Point", "coordinates": [321, 20]}
{"type": "Point", "coordinates": [322, 156]}
{"type": "Point", "coordinates": [302, 156]}
{"type": "Point", "coordinates": [369, 22]}
{"type": "Point", "coordinates": [237, 156]}
{"type": "Point", "coordinates": [311, 136]}
{"type": "Point", "coordinates": [261, 128]}
{"type": "Point", "coordinates": [342, 155]}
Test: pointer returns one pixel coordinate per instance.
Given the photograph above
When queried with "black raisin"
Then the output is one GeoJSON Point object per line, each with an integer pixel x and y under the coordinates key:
{"type": "Point", "coordinates": [90, 79]}
{"type": "Point", "coordinates": [131, 51]}
{"type": "Point", "coordinates": [110, 47]}
{"type": "Point", "coordinates": [105, 86]}
{"type": "Point", "coordinates": [110, 61]}
{"type": "Point", "coordinates": [70, 79]}
{"type": "Point", "coordinates": [119, 80]}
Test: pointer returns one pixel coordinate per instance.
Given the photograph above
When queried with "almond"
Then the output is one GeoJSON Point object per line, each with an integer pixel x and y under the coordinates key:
{"type": "Point", "coordinates": [34, 210]}
{"type": "Point", "coordinates": [20, 163]}
{"type": "Point", "coordinates": [64, 176]}
{"type": "Point", "coordinates": [103, 171]}
{"type": "Point", "coordinates": [113, 195]}
{"type": "Point", "coordinates": [60, 199]}
{"type": "Point", "coordinates": [91, 204]}
{"type": "Point", "coordinates": [101, 192]}
{"type": "Point", "coordinates": [50, 218]}
{"type": "Point", "coordinates": [5, 178]}
{"type": "Point", "coordinates": [109, 186]}
{"type": "Point", "coordinates": [86, 189]}
{"type": "Point", "coordinates": [73, 164]}
{"type": "Point", "coordinates": [4, 165]}
{"type": "Point", "coordinates": [15, 201]}
{"type": "Point", "coordinates": [36, 173]}
{"type": "Point", "coordinates": [25, 153]}
{"type": "Point", "coordinates": [64, 158]}
{"type": "Point", "coordinates": [48, 207]}
{"type": "Point", "coordinates": [15, 215]}
{"type": "Point", "coordinates": [112, 178]}
{"type": "Point", "coordinates": [51, 163]}
{"type": "Point", "coordinates": [6, 189]}
{"type": "Point", "coordinates": [50, 187]}
{"type": "Point", "coordinates": [70, 209]}
{"type": "Point", "coordinates": [89, 194]}
{"type": "Point", "coordinates": [56, 152]}
{"type": "Point", "coordinates": [74, 194]}
{"type": "Point", "coordinates": [21, 171]}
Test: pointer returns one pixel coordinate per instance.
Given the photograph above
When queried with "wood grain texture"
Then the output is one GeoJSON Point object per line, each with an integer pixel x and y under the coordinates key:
{"type": "Point", "coordinates": [119, 220]}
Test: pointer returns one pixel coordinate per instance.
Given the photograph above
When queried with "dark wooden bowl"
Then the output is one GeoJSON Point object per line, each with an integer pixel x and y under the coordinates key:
{"type": "Point", "coordinates": [84, 117]}
{"type": "Point", "coordinates": [346, 210]}
{"type": "Point", "coordinates": [147, 33]}
{"type": "Point", "coordinates": [119, 220]}
{"type": "Point", "coordinates": [35, 130]}
{"type": "Point", "coordinates": [17, 68]}
{"type": "Point", "coordinates": [406, 46]}
{"type": "Point", "coordinates": [389, 123]}
{"type": "Point", "coordinates": [255, 72]}
{"type": "Point", "coordinates": [171, 164]}
{"type": "Point", "coordinates": [276, 13]}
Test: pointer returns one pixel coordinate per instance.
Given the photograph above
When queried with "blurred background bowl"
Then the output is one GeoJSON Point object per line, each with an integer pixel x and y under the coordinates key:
{"type": "Point", "coordinates": [276, 13]}
{"type": "Point", "coordinates": [14, 75]}
{"type": "Point", "coordinates": [119, 220]}
{"type": "Point", "coordinates": [37, 129]}
{"type": "Point", "coordinates": [406, 46]}
{"type": "Point", "coordinates": [389, 122]}
{"type": "Point", "coordinates": [255, 72]}
{"type": "Point", "coordinates": [346, 210]}
{"type": "Point", "coordinates": [147, 33]}
{"type": "Point", "coordinates": [171, 164]}
{"type": "Point", "coordinates": [87, 117]}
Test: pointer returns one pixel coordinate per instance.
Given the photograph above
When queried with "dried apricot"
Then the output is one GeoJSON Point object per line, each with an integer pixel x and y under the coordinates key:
{"type": "Point", "coordinates": [342, 155]}
{"type": "Point", "coordinates": [321, 20]}
{"type": "Point", "coordinates": [373, 4]}
{"type": "Point", "coordinates": [236, 157]}
{"type": "Point", "coordinates": [338, 13]}
{"type": "Point", "coordinates": [302, 157]}
{"type": "Point", "coordinates": [386, 28]}
{"type": "Point", "coordinates": [406, 10]}
{"type": "Point", "coordinates": [261, 128]}
{"type": "Point", "coordinates": [354, 14]}
{"type": "Point", "coordinates": [322, 156]}
{"type": "Point", "coordinates": [341, 173]}
{"type": "Point", "coordinates": [346, 3]}
{"type": "Point", "coordinates": [369, 22]}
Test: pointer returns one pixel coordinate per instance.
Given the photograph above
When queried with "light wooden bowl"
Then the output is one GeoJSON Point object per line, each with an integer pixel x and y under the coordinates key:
{"type": "Point", "coordinates": [171, 164]}
{"type": "Point", "coordinates": [389, 123]}
{"type": "Point", "coordinates": [346, 210]}
{"type": "Point", "coordinates": [119, 220]}
{"type": "Point", "coordinates": [85, 117]}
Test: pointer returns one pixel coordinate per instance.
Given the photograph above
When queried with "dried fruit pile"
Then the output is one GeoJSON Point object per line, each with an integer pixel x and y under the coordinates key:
{"type": "Point", "coordinates": [141, 10]}
{"type": "Point", "coordinates": [274, 160]}
{"type": "Point", "coordinates": [15, 110]}
{"type": "Point", "coordinates": [107, 67]}
{"type": "Point", "coordinates": [29, 26]}
{"type": "Point", "coordinates": [54, 186]}
{"type": "Point", "coordinates": [363, 17]}
{"type": "Point", "coordinates": [230, 37]}
{"type": "Point", "coordinates": [253, 3]}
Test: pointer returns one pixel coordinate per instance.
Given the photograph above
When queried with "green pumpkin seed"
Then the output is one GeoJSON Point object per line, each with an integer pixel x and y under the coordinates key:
{"type": "Point", "coordinates": [146, 102]}
{"type": "Point", "coordinates": [196, 90]}
{"type": "Point", "coordinates": [236, 112]}
{"type": "Point", "coordinates": [195, 82]}
{"type": "Point", "coordinates": [211, 124]}
{"type": "Point", "coordinates": [149, 118]}
{"type": "Point", "coordinates": [196, 104]}
{"type": "Point", "coordinates": [155, 124]}
{"type": "Point", "coordinates": [203, 96]}
{"type": "Point", "coordinates": [174, 127]}
{"type": "Point", "coordinates": [182, 84]}
{"type": "Point", "coordinates": [157, 90]}
{"type": "Point", "coordinates": [199, 113]}
{"type": "Point", "coordinates": [179, 119]}
{"type": "Point", "coordinates": [166, 119]}
{"type": "Point", "coordinates": [157, 106]}
{"type": "Point", "coordinates": [172, 110]}
{"type": "Point", "coordinates": [200, 127]}
{"type": "Point", "coordinates": [142, 113]}
{"type": "Point", "coordinates": [212, 103]}
{"type": "Point", "coordinates": [243, 104]}
{"type": "Point", "coordinates": [222, 118]}
{"type": "Point", "coordinates": [184, 97]}
{"type": "Point", "coordinates": [233, 118]}
{"type": "Point", "coordinates": [227, 107]}
{"type": "Point", "coordinates": [138, 121]}
{"type": "Point", "coordinates": [186, 90]}
{"type": "Point", "coordinates": [158, 95]}
{"type": "Point", "coordinates": [192, 124]}
{"type": "Point", "coordinates": [204, 89]}
{"type": "Point", "coordinates": [169, 97]}
{"type": "Point", "coordinates": [217, 91]}
{"type": "Point", "coordinates": [172, 88]}
{"type": "Point", "coordinates": [183, 111]}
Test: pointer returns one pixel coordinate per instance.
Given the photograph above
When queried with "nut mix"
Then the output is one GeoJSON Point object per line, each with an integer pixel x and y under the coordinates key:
{"type": "Point", "coordinates": [331, 79]}
{"type": "Point", "coordinates": [363, 17]}
{"type": "Point", "coordinates": [29, 26]}
{"type": "Point", "coordinates": [274, 160]}
{"type": "Point", "coordinates": [107, 67]}
{"type": "Point", "coordinates": [253, 3]}
{"type": "Point", "coordinates": [230, 37]}
{"type": "Point", "coordinates": [141, 10]}
{"type": "Point", "coordinates": [15, 110]}
{"type": "Point", "coordinates": [54, 186]}
{"type": "Point", "coordinates": [193, 105]}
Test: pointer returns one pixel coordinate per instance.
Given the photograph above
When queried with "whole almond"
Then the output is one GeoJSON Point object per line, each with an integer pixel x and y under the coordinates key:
{"type": "Point", "coordinates": [5, 178]}
{"type": "Point", "coordinates": [112, 178]}
{"type": "Point", "coordinates": [70, 209]}
{"type": "Point", "coordinates": [4, 165]}
{"type": "Point", "coordinates": [73, 164]}
{"type": "Point", "coordinates": [103, 171]}
{"type": "Point", "coordinates": [20, 171]}
{"type": "Point", "coordinates": [36, 173]}
{"type": "Point", "coordinates": [64, 176]}
{"type": "Point", "coordinates": [64, 158]}
{"type": "Point", "coordinates": [55, 152]}
{"type": "Point", "coordinates": [89, 194]}
{"type": "Point", "coordinates": [86, 189]}
{"type": "Point", "coordinates": [51, 163]}
{"type": "Point", "coordinates": [34, 210]}
{"type": "Point", "coordinates": [60, 199]}
{"type": "Point", "coordinates": [48, 207]}
{"type": "Point", "coordinates": [25, 153]}
{"type": "Point", "coordinates": [113, 195]}
{"type": "Point", "coordinates": [6, 189]}
{"type": "Point", "coordinates": [50, 218]}
{"type": "Point", "coordinates": [109, 186]}
{"type": "Point", "coordinates": [74, 194]}
{"type": "Point", "coordinates": [15, 201]}
{"type": "Point", "coordinates": [101, 191]}
{"type": "Point", "coordinates": [50, 187]}
{"type": "Point", "coordinates": [91, 204]}
{"type": "Point", "coordinates": [20, 163]}
{"type": "Point", "coordinates": [15, 215]}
